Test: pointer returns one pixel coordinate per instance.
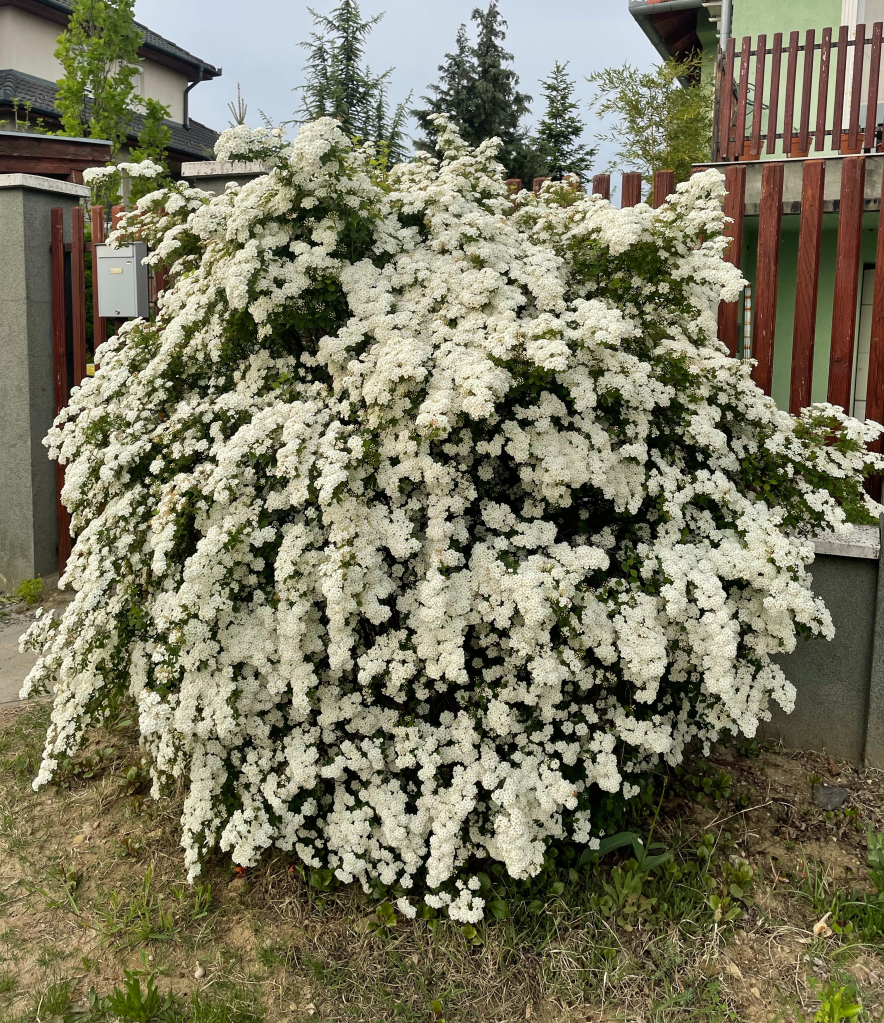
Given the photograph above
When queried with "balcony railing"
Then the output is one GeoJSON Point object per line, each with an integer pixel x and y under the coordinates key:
{"type": "Point", "coordinates": [788, 100]}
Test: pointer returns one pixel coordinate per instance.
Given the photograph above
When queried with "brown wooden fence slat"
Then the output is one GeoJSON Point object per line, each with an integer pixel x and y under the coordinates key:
{"type": "Point", "coordinates": [822, 95]}
{"type": "Point", "coordinates": [807, 284]}
{"type": "Point", "coordinates": [850, 220]}
{"type": "Point", "coordinates": [758, 98]}
{"type": "Point", "coordinates": [99, 324]}
{"type": "Point", "coordinates": [856, 87]}
{"type": "Point", "coordinates": [734, 206]}
{"type": "Point", "coordinates": [875, 385]}
{"type": "Point", "coordinates": [874, 75]}
{"type": "Point", "coordinates": [630, 189]}
{"type": "Point", "coordinates": [806, 90]}
{"type": "Point", "coordinates": [727, 102]}
{"type": "Point", "coordinates": [769, 218]}
{"type": "Point", "coordinates": [789, 112]}
{"type": "Point", "coordinates": [840, 74]}
{"type": "Point", "coordinates": [664, 186]}
{"type": "Point", "coordinates": [60, 368]}
{"type": "Point", "coordinates": [776, 61]}
{"type": "Point", "coordinates": [78, 293]}
{"type": "Point", "coordinates": [601, 185]}
{"type": "Point", "coordinates": [116, 213]}
{"type": "Point", "coordinates": [742, 98]}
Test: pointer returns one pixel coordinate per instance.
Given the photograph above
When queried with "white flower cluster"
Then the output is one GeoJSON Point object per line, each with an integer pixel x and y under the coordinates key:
{"type": "Point", "coordinates": [144, 169]}
{"type": "Point", "coordinates": [421, 518]}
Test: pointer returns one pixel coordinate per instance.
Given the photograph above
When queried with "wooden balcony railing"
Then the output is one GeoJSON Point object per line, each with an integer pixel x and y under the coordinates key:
{"type": "Point", "coordinates": [837, 111]}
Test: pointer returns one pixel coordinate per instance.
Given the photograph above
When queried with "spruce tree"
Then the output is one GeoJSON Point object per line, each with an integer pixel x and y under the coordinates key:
{"type": "Point", "coordinates": [338, 83]}
{"type": "Point", "coordinates": [557, 139]}
{"type": "Point", "coordinates": [478, 89]}
{"type": "Point", "coordinates": [99, 54]}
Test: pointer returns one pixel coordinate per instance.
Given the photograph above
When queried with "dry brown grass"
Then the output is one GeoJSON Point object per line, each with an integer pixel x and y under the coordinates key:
{"type": "Point", "coordinates": [76, 909]}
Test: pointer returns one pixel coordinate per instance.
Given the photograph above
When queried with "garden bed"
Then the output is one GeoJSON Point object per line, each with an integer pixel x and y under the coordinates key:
{"type": "Point", "coordinates": [92, 886]}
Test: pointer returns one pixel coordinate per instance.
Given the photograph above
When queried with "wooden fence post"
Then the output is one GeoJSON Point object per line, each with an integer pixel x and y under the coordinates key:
{"type": "Point", "coordinates": [758, 100]}
{"type": "Point", "coordinates": [823, 90]}
{"type": "Point", "coordinates": [630, 189]}
{"type": "Point", "coordinates": [734, 208]}
{"type": "Point", "coordinates": [850, 219]}
{"type": "Point", "coordinates": [60, 375]}
{"type": "Point", "coordinates": [770, 216]}
{"type": "Point", "coordinates": [78, 293]}
{"type": "Point", "coordinates": [807, 285]}
{"type": "Point", "coordinates": [664, 186]}
{"type": "Point", "coordinates": [601, 185]}
{"type": "Point", "coordinates": [875, 383]}
{"type": "Point", "coordinates": [742, 99]}
{"type": "Point", "coordinates": [727, 102]}
{"type": "Point", "coordinates": [99, 324]}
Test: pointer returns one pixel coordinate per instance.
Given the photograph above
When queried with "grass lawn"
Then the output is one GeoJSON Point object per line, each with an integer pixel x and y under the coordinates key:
{"type": "Point", "coordinates": [97, 923]}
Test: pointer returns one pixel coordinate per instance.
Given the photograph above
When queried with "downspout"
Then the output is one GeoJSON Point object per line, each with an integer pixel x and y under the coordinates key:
{"type": "Point", "coordinates": [726, 20]}
{"type": "Point", "coordinates": [187, 96]}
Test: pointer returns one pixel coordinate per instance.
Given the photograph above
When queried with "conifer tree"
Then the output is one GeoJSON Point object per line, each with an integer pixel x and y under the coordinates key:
{"type": "Point", "coordinates": [339, 84]}
{"type": "Point", "coordinates": [99, 54]}
{"type": "Point", "coordinates": [478, 89]}
{"type": "Point", "coordinates": [558, 134]}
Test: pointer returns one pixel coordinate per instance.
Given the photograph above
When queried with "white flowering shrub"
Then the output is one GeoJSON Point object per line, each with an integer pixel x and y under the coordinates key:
{"type": "Point", "coordinates": [421, 518]}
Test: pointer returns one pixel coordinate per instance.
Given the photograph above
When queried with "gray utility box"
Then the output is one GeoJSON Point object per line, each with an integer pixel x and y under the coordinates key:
{"type": "Point", "coordinates": [121, 278]}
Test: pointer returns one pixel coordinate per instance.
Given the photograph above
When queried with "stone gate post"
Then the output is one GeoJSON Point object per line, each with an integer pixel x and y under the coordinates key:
{"type": "Point", "coordinates": [28, 516]}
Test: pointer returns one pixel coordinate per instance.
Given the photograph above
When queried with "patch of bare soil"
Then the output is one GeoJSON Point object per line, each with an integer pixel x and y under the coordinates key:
{"type": "Point", "coordinates": [92, 886]}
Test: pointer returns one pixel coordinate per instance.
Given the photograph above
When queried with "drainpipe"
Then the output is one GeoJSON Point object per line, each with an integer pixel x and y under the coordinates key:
{"type": "Point", "coordinates": [726, 20]}
{"type": "Point", "coordinates": [187, 96]}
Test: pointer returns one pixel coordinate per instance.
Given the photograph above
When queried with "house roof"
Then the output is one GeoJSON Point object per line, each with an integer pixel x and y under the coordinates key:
{"type": "Point", "coordinates": [196, 141]}
{"type": "Point", "coordinates": [671, 25]}
{"type": "Point", "coordinates": [155, 47]}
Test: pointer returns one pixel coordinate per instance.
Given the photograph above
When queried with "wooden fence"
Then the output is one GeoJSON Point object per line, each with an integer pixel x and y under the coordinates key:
{"type": "Point", "coordinates": [755, 101]}
{"type": "Point", "coordinates": [69, 320]}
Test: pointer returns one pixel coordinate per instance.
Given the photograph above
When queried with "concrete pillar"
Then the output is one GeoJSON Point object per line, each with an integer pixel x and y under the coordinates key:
{"type": "Point", "coordinates": [28, 518]}
{"type": "Point", "coordinates": [875, 721]}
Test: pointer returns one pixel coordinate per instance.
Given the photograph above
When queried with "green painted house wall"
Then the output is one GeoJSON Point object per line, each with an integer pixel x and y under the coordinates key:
{"type": "Point", "coordinates": [754, 17]}
{"type": "Point", "coordinates": [782, 367]}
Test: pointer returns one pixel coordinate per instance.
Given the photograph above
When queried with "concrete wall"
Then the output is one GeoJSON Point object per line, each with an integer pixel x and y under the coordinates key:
{"type": "Point", "coordinates": [28, 523]}
{"type": "Point", "coordinates": [212, 176]}
{"type": "Point", "coordinates": [840, 702]}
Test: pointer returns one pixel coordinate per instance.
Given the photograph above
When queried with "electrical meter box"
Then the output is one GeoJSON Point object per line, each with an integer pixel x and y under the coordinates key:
{"type": "Point", "coordinates": [121, 278]}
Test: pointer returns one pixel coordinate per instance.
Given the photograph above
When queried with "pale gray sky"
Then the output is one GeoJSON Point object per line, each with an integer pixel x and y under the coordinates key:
{"type": "Point", "coordinates": [256, 43]}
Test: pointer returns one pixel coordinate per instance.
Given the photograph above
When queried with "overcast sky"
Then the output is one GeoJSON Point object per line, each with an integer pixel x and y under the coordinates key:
{"type": "Point", "coordinates": [256, 44]}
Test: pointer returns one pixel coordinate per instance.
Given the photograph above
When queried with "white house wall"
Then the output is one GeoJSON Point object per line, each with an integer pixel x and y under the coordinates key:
{"type": "Point", "coordinates": [28, 43]}
{"type": "Point", "coordinates": [167, 86]}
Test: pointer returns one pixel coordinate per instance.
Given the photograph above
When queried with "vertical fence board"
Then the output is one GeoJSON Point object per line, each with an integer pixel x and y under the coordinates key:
{"type": "Point", "coordinates": [727, 102]}
{"type": "Point", "coordinates": [823, 91]}
{"type": "Point", "coordinates": [99, 324]}
{"type": "Point", "coordinates": [664, 186]}
{"type": "Point", "coordinates": [116, 213]}
{"type": "Point", "coordinates": [758, 98]}
{"type": "Point", "coordinates": [78, 293]}
{"type": "Point", "coordinates": [850, 219]}
{"type": "Point", "coordinates": [789, 112]}
{"type": "Point", "coordinates": [856, 87]}
{"type": "Point", "coordinates": [734, 205]}
{"type": "Point", "coordinates": [60, 368]}
{"type": "Point", "coordinates": [874, 75]}
{"type": "Point", "coordinates": [875, 385]}
{"type": "Point", "coordinates": [770, 215]}
{"type": "Point", "coordinates": [807, 285]}
{"type": "Point", "coordinates": [806, 90]}
{"type": "Point", "coordinates": [840, 74]}
{"type": "Point", "coordinates": [742, 98]}
{"type": "Point", "coordinates": [601, 185]}
{"type": "Point", "coordinates": [776, 61]}
{"type": "Point", "coordinates": [630, 189]}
